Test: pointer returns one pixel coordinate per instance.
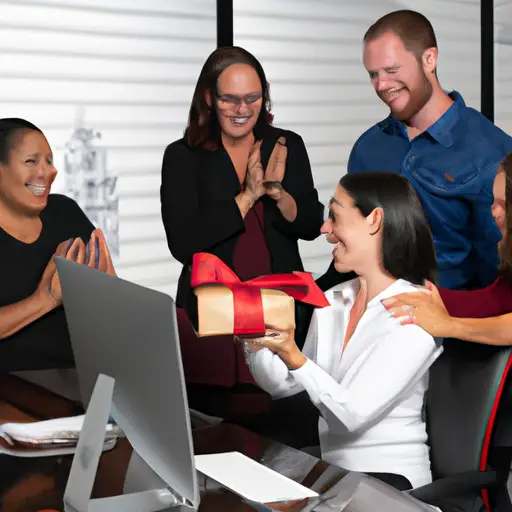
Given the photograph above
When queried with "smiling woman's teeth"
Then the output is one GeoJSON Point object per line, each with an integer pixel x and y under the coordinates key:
{"type": "Point", "coordinates": [37, 190]}
{"type": "Point", "coordinates": [239, 120]}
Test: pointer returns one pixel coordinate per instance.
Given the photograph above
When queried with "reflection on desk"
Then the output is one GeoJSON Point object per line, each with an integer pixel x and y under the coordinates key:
{"type": "Point", "coordinates": [29, 485]}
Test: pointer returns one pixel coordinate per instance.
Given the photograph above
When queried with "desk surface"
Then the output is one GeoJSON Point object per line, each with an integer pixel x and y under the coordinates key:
{"type": "Point", "coordinates": [38, 484]}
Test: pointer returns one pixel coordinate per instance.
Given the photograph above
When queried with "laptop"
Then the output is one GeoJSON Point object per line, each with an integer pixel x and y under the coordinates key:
{"type": "Point", "coordinates": [126, 346]}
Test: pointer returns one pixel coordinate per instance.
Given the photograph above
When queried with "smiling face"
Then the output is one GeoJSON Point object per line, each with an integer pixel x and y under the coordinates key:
{"type": "Point", "coordinates": [356, 249]}
{"type": "Point", "coordinates": [27, 176]}
{"type": "Point", "coordinates": [398, 76]}
{"type": "Point", "coordinates": [238, 100]}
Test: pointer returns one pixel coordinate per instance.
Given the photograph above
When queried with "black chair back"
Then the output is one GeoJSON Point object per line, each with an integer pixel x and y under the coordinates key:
{"type": "Point", "coordinates": [463, 401]}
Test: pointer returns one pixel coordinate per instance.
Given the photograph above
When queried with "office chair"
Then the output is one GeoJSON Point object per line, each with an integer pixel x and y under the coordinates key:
{"type": "Point", "coordinates": [469, 422]}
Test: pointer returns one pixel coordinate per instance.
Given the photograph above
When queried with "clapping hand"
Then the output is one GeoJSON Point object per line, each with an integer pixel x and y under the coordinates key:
{"type": "Point", "coordinates": [95, 255]}
{"type": "Point", "coordinates": [258, 181]}
{"type": "Point", "coordinates": [49, 286]}
{"type": "Point", "coordinates": [276, 169]}
{"type": "Point", "coordinates": [254, 174]}
{"type": "Point", "coordinates": [98, 255]}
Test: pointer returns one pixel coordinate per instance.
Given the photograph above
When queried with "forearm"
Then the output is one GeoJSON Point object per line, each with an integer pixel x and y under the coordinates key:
{"type": "Point", "coordinates": [287, 206]}
{"type": "Point", "coordinates": [20, 314]}
{"type": "Point", "coordinates": [491, 331]}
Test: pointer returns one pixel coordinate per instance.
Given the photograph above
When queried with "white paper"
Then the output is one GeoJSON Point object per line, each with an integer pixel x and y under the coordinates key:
{"type": "Point", "coordinates": [250, 479]}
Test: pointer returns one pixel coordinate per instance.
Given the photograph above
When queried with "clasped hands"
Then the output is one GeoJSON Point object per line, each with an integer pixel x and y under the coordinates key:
{"type": "Point", "coordinates": [259, 182]}
{"type": "Point", "coordinates": [95, 255]}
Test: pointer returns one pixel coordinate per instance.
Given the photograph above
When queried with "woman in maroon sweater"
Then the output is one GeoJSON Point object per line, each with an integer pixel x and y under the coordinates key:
{"type": "Point", "coordinates": [237, 187]}
{"type": "Point", "coordinates": [481, 316]}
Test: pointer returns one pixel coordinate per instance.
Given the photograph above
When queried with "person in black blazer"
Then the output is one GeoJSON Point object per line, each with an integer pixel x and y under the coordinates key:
{"type": "Point", "coordinates": [207, 184]}
{"type": "Point", "coordinates": [235, 185]}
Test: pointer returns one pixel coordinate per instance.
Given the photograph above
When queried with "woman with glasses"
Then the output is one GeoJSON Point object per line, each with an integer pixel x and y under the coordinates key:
{"type": "Point", "coordinates": [239, 188]}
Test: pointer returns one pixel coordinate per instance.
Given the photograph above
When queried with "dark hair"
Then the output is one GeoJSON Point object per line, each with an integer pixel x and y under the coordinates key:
{"type": "Point", "coordinates": [407, 247]}
{"type": "Point", "coordinates": [506, 245]}
{"type": "Point", "coordinates": [203, 126]}
{"type": "Point", "coordinates": [9, 129]}
{"type": "Point", "coordinates": [413, 29]}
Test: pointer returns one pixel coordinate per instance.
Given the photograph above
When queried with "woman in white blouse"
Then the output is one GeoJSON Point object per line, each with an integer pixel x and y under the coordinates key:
{"type": "Point", "coordinates": [365, 372]}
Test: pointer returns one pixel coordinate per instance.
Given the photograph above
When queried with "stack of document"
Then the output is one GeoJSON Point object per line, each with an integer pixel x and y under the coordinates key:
{"type": "Point", "coordinates": [49, 438]}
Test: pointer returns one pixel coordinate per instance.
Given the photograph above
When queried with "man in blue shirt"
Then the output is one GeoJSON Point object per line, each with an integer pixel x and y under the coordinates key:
{"type": "Point", "coordinates": [448, 151]}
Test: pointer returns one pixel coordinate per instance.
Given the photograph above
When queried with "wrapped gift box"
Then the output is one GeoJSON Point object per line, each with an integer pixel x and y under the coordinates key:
{"type": "Point", "coordinates": [227, 305]}
{"type": "Point", "coordinates": [215, 304]}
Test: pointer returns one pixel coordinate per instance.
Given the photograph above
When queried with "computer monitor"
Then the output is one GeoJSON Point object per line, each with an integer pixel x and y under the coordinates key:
{"type": "Point", "coordinates": [129, 333]}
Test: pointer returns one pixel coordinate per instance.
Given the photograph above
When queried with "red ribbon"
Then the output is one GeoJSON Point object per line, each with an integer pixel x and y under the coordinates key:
{"type": "Point", "coordinates": [248, 305]}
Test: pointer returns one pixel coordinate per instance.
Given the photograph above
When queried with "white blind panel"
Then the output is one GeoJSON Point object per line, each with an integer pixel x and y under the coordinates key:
{"type": "Point", "coordinates": [126, 69]}
{"type": "Point", "coordinates": [312, 54]}
{"type": "Point", "coordinates": [502, 64]}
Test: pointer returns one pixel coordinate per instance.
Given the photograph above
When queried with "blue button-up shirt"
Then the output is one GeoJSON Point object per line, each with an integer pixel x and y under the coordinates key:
{"type": "Point", "coordinates": [451, 166]}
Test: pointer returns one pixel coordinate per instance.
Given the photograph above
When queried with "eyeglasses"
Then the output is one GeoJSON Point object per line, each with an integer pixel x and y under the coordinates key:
{"type": "Point", "coordinates": [232, 100]}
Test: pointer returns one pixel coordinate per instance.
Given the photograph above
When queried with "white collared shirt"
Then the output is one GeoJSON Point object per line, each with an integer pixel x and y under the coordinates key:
{"type": "Point", "coordinates": [370, 395]}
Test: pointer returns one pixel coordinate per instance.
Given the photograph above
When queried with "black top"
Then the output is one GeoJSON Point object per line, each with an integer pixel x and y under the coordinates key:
{"type": "Point", "coordinates": [45, 343]}
{"type": "Point", "coordinates": [200, 213]}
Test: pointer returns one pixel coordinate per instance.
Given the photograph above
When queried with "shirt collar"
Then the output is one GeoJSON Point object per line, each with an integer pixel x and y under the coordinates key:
{"type": "Point", "coordinates": [399, 286]}
{"type": "Point", "coordinates": [441, 131]}
{"type": "Point", "coordinates": [348, 291]}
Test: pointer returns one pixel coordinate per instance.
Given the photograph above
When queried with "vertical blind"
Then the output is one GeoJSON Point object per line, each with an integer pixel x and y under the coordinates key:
{"type": "Point", "coordinates": [502, 64]}
{"type": "Point", "coordinates": [128, 69]}
{"type": "Point", "coordinates": [311, 51]}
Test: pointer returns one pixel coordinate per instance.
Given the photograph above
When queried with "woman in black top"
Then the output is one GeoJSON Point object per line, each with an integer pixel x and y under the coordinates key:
{"type": "Point", "coordinates": [35, 226]}
{"type": "Point", "coordinates": [208, 185]}
{"type": "Point", "coordinates": [237, 187]}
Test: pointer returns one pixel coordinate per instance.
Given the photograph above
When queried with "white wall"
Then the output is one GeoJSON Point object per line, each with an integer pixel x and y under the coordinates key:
{"type": "Point", "coordinates": [132, 66]}
{"type": "Point", "coordinates": [311, 51]}
{"type": "Point", "coordinates": [503, 64]}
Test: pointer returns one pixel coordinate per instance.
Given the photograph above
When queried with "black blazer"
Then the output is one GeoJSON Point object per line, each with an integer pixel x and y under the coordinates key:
{"type": "Point", "coordinates": [200, 213]}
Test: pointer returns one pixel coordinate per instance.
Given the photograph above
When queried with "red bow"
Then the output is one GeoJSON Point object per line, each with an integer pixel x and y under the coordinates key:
{"type": "Point", "coordinates": [248, 306]}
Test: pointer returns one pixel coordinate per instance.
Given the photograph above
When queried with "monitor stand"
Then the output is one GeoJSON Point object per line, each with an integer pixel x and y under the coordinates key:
{"type": "Point", "coordinates": [144, 490]}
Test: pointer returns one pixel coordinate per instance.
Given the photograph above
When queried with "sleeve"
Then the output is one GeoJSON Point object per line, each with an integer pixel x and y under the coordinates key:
{"type": "Point", "coordinates": [484, 303]}
{"type": "Point", "coordinates": [298, 182]}
{"type": "Point", "coordinates": [77, 224]}
{"type": "Point", "coordinates": [190, 225]}
{"type": "Point", "coordinates": [271, 374]}
{"type": "Point", "coordinates": [486, 234]}
{"type": "Point", "coordinates": [375, 382]}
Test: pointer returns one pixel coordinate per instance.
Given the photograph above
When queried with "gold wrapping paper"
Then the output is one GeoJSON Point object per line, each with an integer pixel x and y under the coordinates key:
{"type": "Point", "coordinates": [216, 313]}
